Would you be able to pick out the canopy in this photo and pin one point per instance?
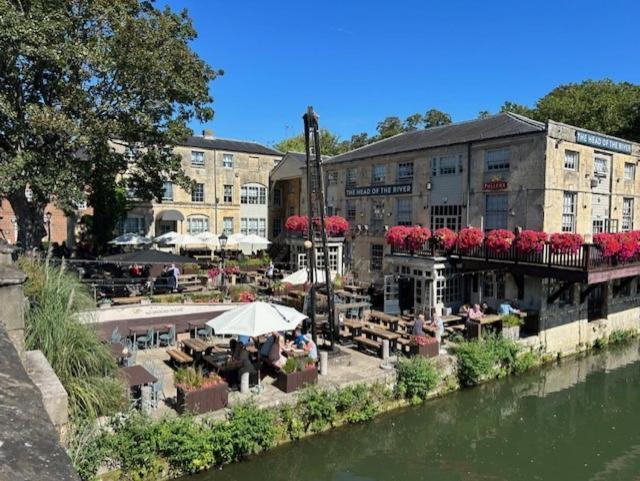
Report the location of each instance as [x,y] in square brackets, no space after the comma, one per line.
[301,276]
[253,243]
[150,256]
[130,239]
[209,238]
[164,238]
[256,319]
[234,239]
[170,215]
[185,240]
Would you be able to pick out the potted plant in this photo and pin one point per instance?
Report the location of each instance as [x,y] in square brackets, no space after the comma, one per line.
[396,236]
[198,393]
[425,346]
[511,326]
[531,241]
[416,238]
[608,243]
[499,241]
[565,243]
[629,245]
[470,238]
[296,374]
[445,238]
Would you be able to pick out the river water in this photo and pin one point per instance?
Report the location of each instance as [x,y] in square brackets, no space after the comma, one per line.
[579,420]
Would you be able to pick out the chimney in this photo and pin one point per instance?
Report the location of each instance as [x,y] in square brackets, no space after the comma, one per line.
[207,133]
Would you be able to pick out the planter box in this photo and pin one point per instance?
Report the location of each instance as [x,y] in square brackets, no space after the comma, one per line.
[512,332]
[431,349]
[203,400]
[296,380]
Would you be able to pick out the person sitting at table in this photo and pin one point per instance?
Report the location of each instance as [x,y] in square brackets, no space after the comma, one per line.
[506,308]
[265,349]
[298,338]
[475,313]
[245,340]
[276,352]
[464,310]
[437,324]
[310,348]
[418,326]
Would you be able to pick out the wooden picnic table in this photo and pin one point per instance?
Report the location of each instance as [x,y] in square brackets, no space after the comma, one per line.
[380,333]
[354,327]
[195,347]
[195,325]
[137,375]
[451,319]
[475,326]
[117,350]
[354,288]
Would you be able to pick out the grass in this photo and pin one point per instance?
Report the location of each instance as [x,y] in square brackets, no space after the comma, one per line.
[81,361]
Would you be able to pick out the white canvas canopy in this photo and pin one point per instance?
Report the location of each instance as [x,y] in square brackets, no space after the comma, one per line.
[235,239]
[252,243]
[165,238]
[256,319]
[209,238]
[130,239]
[185,240]
[301,276]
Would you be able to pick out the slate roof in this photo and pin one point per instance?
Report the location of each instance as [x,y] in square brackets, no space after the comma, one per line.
[228,144]
[495,126]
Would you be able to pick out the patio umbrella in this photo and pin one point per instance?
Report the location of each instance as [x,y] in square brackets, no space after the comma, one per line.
[165,238]
[130,239]
[209,238]
[252,243]
[300,277]
[235,239]
[185,240]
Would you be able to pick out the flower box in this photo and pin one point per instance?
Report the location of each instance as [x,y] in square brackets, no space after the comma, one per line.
[470,238]
[500,240]
[531,241]
[296,380]
[565,243]
[430,348]
[445,238]
[207,399]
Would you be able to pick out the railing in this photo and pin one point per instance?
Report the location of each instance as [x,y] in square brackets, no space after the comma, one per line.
[588,257]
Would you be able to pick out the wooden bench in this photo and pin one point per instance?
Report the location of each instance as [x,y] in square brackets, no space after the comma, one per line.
[189,283]
[366,343]
[178,357]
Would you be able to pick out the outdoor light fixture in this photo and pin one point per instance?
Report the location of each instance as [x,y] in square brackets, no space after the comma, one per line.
[223,240]
[223,243]
[307,244]
[428,185]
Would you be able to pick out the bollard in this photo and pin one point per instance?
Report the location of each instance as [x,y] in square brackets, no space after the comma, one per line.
[145,399]
[385,350]
[324,363]
[244,383]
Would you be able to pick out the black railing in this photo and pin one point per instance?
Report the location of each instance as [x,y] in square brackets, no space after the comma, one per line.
[587,257]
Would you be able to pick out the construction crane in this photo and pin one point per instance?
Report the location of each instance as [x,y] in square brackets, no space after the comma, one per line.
[316,210]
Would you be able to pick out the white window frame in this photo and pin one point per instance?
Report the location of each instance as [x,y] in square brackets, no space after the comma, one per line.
[352,179]
[404,211]
[167,192]
[227,224]
[497,160]
[227,161]
[600,166]
[378,174]
[404,171]
[253,194]
[496,218]
[227,194]
[629,171]
[197,158]
[377,254]
[571,159]
[569,211]
[627,214]
[197,195]
[197,224]
[350,210]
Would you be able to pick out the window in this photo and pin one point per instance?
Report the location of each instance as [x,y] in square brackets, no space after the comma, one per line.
[227,224]
[448,287]
[197,158]
[167,193]
[487,285]
[332,178]
[351,179]
[228,194]
[500,286]
[449,216]
[405,171]
[253,194]
[629,171]
[496,160]
[277,226]
[378,174]
[571,159]
[227,160]
[404,213]
[569,212]
[350,209]
[627,214]
[133,225]
[253,225]
[497,206]
[377,251]
[277,197]
[197,224]
[377,215]
[600,167]
[291,210]
[197,195]
[448,165]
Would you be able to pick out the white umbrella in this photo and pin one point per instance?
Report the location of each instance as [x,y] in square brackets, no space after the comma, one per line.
[130,239]
[185,240]
[165,238]
[256,318]
[234,239]
[300,277]
[253,243]
[209,238]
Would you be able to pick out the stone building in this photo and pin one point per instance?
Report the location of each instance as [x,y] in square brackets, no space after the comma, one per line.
[284,188]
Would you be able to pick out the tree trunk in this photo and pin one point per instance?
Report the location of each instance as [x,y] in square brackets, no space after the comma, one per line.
[30,220]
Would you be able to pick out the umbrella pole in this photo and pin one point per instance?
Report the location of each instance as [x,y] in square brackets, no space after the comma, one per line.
[259,362]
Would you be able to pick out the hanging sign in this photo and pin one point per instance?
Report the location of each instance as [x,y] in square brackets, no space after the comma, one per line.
[602,142]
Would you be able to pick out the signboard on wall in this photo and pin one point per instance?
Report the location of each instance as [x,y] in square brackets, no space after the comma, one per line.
[495,185]
[600,141]
[379,190]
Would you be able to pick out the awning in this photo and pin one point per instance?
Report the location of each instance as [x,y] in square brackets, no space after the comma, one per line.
[170,215]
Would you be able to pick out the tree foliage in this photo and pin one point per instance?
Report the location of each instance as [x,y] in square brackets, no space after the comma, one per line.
[436,118]
[330,144]
[75,77]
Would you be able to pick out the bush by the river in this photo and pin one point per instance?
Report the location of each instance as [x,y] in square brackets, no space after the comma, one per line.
[416,377]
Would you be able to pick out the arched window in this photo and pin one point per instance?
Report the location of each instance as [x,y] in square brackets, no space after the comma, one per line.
[253,194]
[197,224]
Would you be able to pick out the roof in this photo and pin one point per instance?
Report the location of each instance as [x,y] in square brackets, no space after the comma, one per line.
[290,166]
[217,143]
[495,126]
[150,256]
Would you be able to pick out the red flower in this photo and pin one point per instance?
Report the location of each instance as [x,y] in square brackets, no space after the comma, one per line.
[297,223]
[500,240]
[417,237]
[229,270]
[531,241]
[246,296]
[213,273]
[396,236]
[629,245]
[608,243]
[335,225]
[565,243]
[445,238]
[469,237]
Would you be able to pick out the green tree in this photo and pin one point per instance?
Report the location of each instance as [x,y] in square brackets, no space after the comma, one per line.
[109,202]
[436,118]
[520,109]
[330,144]
[81,81]
[389,127]
[483,114]
[413,122]
[360,140]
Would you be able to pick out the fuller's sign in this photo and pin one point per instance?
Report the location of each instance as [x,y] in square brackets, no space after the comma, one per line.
[495,185]
[602,142]
[378,190]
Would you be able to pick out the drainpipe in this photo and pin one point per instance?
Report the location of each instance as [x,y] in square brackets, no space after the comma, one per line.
[215,192]
[468,181]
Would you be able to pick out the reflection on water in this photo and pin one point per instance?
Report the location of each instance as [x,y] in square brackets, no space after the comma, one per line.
[576,421]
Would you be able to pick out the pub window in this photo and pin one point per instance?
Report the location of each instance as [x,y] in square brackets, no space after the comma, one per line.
[569,211]
[197,158]
[448,165]
[376,257]
[227,224]
[500,287]
[352,179]
[600,167]
[277,197]
[629,171]
[253,194]
[496,211]
[405,171]
[350,209]
[497,160]
[377,215]
[627,214]
[571,159]
[277,226]
[403,211]
[196,225]
[227,160]
[167,192]
[449,216]
[378,174]
[487,285]
[228,194]
[197,194]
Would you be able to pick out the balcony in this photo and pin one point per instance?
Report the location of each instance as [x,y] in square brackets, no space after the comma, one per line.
[587,265]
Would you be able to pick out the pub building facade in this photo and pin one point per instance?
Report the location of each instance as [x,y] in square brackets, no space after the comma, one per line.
[501,172]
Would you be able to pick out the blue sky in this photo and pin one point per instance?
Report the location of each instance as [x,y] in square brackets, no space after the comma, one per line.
[357,62]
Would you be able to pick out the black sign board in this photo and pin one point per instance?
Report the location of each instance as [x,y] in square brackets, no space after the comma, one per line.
[379,190]
[603,142]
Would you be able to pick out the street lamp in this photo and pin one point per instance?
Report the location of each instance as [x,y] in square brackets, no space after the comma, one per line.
[223,244]
[47,219]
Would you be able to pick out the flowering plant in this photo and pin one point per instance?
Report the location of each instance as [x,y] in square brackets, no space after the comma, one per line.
[246,296]
[500,240]
[297,223]
[229,270]
[629,245]
[417,237]
[565,243]
[469,237]
[190,379]
[608,243]
[396,236]
[336,225]
[531,241]
[213,273]
[445,238]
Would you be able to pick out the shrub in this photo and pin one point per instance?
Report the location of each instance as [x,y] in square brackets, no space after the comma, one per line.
[192,379]
[87,448]
[417,237]
[621,335]
[500,240]
[185,445]
[357,404]
[396,236]
[485,358]
[512,320]
[252,429]
[292,425]
[445,238]
[238,293]
[469,237]
[531,241]
[416,376]
[317,409]
[525,362]
[135,446]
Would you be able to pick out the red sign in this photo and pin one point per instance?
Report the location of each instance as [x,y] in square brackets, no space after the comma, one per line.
[495,185]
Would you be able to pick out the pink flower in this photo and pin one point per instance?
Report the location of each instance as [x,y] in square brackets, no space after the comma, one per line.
[608,243]
[445,238]
[417,237]
[469,237]
[531,241]
[565,243]
[500,240]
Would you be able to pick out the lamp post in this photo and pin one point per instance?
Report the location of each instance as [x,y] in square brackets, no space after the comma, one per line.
[47,219]
[223,244]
